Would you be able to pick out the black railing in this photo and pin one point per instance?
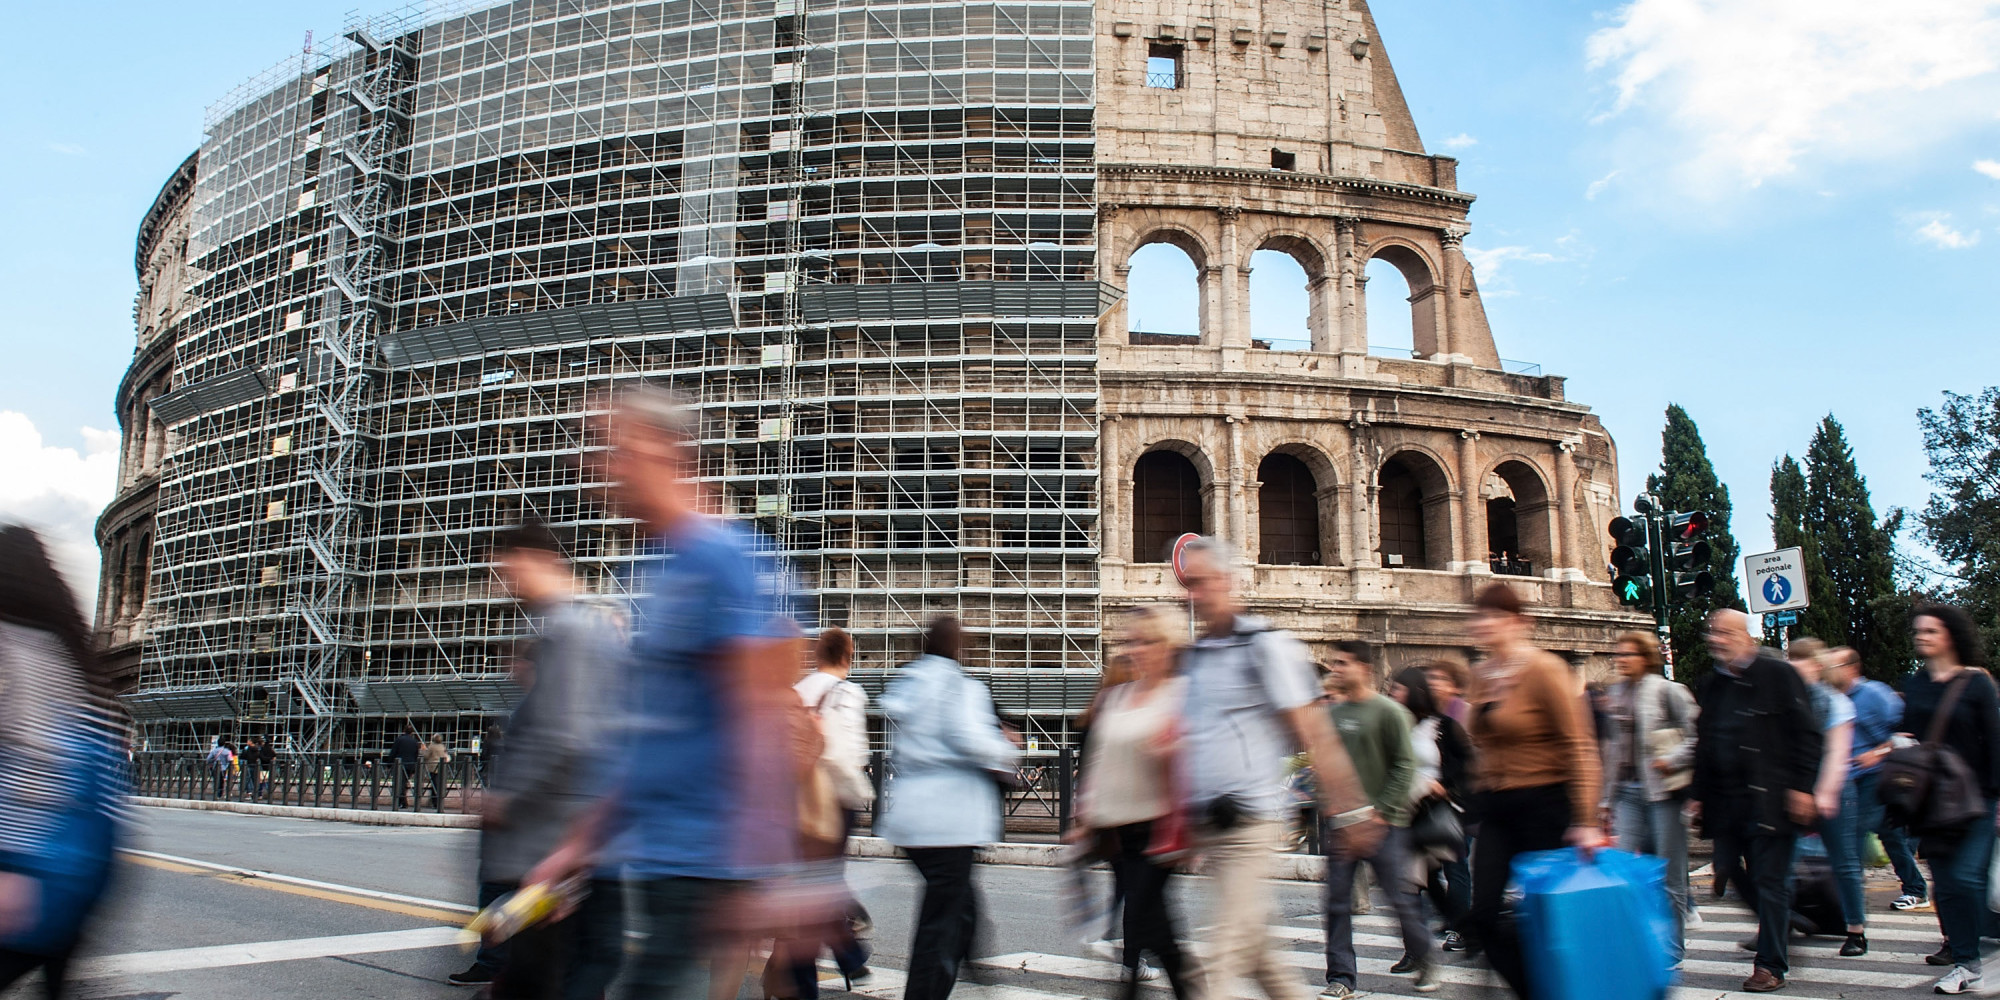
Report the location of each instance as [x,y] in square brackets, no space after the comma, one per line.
[345,781]
[1511,566]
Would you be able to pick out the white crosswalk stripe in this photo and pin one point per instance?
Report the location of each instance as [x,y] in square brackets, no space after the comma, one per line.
[1714,969]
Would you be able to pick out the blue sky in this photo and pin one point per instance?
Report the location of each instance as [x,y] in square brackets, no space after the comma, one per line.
[1766,210]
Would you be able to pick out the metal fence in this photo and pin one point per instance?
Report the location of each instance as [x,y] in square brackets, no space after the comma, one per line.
[1036,805]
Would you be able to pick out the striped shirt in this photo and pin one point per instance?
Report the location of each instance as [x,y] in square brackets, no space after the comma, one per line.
[43,701]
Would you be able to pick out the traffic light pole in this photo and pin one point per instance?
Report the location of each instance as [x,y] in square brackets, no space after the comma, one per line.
[1656,535]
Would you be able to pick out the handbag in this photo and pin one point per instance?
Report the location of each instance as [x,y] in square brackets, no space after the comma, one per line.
[1437,830]
[1928,787]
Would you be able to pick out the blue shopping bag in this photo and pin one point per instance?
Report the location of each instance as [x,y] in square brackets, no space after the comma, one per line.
[1602,929]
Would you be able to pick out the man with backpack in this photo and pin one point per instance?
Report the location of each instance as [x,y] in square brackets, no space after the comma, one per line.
[1757,757]
[1252,700]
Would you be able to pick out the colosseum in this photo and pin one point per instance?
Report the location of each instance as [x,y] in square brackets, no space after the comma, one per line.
[886,246]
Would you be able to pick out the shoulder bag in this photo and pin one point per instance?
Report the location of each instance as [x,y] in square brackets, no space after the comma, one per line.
[1929,787]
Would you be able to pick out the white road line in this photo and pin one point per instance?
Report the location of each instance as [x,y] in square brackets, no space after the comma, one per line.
[146,963]
[394,897]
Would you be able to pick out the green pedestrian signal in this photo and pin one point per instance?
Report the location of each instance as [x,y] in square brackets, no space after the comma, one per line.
[1631,562]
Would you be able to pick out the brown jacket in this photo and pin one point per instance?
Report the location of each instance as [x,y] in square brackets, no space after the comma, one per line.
[1538,733]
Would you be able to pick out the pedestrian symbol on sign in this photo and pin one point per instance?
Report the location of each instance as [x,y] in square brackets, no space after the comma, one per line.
[1777,589]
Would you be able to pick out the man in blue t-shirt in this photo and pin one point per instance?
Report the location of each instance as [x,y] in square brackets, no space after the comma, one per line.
[698,806]
[1878,710]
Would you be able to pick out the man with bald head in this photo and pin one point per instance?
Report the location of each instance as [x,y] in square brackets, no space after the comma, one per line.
[1757,756]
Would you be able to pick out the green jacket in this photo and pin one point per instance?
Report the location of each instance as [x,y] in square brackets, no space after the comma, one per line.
[1376,733]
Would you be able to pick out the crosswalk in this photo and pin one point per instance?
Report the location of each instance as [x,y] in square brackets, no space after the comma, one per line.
[1714,968]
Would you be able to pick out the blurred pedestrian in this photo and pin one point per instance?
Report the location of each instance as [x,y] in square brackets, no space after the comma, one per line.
[1833,802]
[1757,757]
[1648,757]
[1537,766]
[406,752]
[1878,710]
[840,708]
[1126,799]
[1450,678]
[434,756]
[247,773]
[701,812]
[1443,755]
[1252,700]
[266,760]
[221,761]
[1949,643]
[1375,730]
[1110,943]
[947,759]
[61,767]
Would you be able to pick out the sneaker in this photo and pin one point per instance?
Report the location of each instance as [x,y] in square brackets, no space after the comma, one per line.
[1147,973]
[1428,978]
[1856,944]
[1911,901]
[1763,981]
[1959,980]
[478,975]
[1693,918]
[1942,956]
[1340,991]
[1403,965]
[1107,948]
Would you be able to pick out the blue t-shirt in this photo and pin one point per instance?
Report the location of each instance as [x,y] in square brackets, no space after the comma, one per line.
[1877,711]
[680,812]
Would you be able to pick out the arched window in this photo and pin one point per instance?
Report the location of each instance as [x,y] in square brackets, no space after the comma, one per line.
[1414,517]
[1163,294]
[1520,531]
[1280,305]
[142,570]
[1402,303]
[1503,538]
[1166,504]
[1287,513]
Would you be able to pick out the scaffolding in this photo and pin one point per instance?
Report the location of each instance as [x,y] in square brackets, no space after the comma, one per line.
[859,234]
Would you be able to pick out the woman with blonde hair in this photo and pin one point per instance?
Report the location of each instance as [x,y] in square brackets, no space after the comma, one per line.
[1127,796]
[1648,754]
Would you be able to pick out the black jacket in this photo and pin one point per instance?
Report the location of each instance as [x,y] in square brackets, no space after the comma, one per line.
[1454,760]
[1780,745]
[407,750]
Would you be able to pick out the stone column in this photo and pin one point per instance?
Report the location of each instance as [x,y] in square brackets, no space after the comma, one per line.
[1452,259]
[1570,554]
[1360,517]
[1350,339]
[1327,501]
[1473,522]
[1112,512]
[1325,339]
[1238,517]
[1111,329]
[1235,303]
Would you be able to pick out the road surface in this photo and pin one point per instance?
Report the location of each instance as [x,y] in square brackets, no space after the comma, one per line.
[361,911]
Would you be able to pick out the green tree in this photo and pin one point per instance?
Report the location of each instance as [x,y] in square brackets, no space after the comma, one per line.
[1687,481]
[1790,498]
[1962,518]
[1853,567]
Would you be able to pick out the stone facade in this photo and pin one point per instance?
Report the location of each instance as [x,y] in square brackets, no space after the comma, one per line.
[125,529]
[1284,129]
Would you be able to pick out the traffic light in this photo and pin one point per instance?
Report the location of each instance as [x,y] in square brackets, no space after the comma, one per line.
[1687,555]
[1631,562]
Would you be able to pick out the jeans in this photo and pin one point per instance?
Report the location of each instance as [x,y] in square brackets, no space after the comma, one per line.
[1874,818]
[599,946]
[55,970]
[491,955]
[672,913]
[1511,822]
[1842,836]
[1655,828]
[1765,881]
[1149,924]
[946,920]
[1958,866]
[1238,860]
[1391,865]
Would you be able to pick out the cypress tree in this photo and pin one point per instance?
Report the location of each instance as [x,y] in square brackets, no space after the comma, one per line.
[1855,555]
[1686,481]
[1789,529]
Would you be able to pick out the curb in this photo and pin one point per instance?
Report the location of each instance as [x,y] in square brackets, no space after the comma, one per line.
[366,817]
[1284,867]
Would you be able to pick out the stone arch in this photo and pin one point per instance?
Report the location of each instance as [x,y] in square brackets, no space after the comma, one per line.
[1288,512]
[1413,510]
[1422,275]
[1518,504]
[1159,275]
[1325,481]
[1172,483]
[1267,295]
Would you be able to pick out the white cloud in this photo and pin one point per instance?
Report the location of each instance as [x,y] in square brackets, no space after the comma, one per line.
[66,148]
[1488,263]
[1941,234]
[1597,186]
[1990,168]
[1460,141]
[1734,93]
[59,493]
